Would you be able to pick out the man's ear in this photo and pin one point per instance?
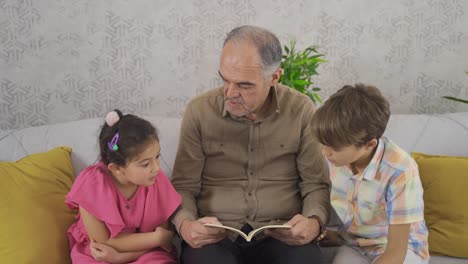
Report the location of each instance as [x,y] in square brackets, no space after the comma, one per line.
[276,76]
[115,169]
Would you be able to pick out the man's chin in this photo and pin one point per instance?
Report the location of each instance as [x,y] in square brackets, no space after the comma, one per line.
[236,113]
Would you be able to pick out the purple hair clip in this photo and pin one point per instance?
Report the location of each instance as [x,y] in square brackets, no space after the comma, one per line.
[112,145]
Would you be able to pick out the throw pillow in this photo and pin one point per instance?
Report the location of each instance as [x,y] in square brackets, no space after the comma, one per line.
[445,183]
[34,217]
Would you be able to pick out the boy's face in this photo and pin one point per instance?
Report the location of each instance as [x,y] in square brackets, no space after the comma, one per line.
[344,156]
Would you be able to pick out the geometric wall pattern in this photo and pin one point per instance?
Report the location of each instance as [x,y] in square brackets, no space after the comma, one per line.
[69,60]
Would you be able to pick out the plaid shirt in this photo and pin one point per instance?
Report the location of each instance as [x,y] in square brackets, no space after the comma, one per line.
[388,192]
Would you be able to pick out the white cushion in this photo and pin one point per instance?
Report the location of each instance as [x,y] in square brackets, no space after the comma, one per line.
[445,134]
[82,137]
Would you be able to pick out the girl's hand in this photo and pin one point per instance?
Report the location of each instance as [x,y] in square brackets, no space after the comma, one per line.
[164,236]
[102,252]
[105,253]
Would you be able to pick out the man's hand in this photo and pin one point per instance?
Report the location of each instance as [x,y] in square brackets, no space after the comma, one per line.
[197,235]
[303,231]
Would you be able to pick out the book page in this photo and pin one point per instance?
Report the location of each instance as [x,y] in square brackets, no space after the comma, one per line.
[252,233]
[260,229]
[230,228]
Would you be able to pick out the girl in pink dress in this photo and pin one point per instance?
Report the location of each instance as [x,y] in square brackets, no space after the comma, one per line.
[125,200]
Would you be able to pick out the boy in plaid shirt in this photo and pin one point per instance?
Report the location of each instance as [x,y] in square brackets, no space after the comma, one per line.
[376,189]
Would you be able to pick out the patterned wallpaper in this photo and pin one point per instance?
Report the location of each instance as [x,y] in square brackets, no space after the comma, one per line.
[63,60]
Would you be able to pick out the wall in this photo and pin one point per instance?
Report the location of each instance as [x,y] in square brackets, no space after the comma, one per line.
[68,60]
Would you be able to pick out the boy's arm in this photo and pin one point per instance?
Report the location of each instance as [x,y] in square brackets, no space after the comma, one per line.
[397,245]
[98,232]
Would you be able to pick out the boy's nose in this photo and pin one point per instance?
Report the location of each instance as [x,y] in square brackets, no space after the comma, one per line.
[326,152]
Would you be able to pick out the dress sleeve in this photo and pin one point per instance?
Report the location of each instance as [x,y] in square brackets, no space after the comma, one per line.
[161,203]
[167,195]
[92,191]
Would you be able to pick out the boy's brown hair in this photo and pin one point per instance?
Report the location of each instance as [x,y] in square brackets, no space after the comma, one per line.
[352,116]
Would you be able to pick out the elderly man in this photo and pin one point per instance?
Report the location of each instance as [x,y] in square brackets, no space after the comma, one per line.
[246,159]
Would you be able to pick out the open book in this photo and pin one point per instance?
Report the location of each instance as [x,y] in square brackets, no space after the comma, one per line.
[252,233]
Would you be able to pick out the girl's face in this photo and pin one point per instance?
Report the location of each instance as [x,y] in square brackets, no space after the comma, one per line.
[142,170]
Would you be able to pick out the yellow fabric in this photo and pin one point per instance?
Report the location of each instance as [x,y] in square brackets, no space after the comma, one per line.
[445,183]
[34,217]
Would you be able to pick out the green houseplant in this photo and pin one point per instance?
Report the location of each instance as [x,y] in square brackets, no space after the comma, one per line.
[298,69]
[456,99]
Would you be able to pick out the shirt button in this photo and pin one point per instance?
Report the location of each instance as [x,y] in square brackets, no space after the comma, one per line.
[251,173]
[251,149]
[250,194]
[127,206]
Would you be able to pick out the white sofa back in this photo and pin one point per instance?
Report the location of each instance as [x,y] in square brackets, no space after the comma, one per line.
[82,137]
[445,134]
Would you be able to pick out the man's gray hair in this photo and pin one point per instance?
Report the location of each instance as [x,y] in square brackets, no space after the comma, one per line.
[268,45]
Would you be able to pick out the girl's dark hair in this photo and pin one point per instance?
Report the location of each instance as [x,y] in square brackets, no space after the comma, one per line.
[134,133]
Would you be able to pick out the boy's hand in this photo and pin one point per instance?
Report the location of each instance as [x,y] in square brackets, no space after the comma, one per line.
[332,239]
[165,237]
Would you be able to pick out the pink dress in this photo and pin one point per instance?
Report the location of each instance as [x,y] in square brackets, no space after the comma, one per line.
[150,206]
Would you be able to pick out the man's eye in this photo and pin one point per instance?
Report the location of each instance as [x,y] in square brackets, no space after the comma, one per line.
[146,165]
[158,156]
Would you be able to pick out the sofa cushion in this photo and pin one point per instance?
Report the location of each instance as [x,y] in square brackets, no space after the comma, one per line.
[34,217]
[445,183]
[82,137]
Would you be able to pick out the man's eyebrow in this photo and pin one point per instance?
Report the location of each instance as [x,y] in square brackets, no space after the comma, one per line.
[220,75]
[239,83]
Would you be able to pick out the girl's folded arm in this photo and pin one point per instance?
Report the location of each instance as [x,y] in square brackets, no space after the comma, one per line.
[123,242]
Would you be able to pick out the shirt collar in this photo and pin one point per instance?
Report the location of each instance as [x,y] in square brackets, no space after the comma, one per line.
[371,170]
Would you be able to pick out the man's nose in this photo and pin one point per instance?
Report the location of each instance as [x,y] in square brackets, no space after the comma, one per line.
[231,90]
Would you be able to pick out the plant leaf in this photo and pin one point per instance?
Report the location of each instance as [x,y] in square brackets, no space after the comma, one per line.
[456,99]
[301,82]
[299,67]
[317,97]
